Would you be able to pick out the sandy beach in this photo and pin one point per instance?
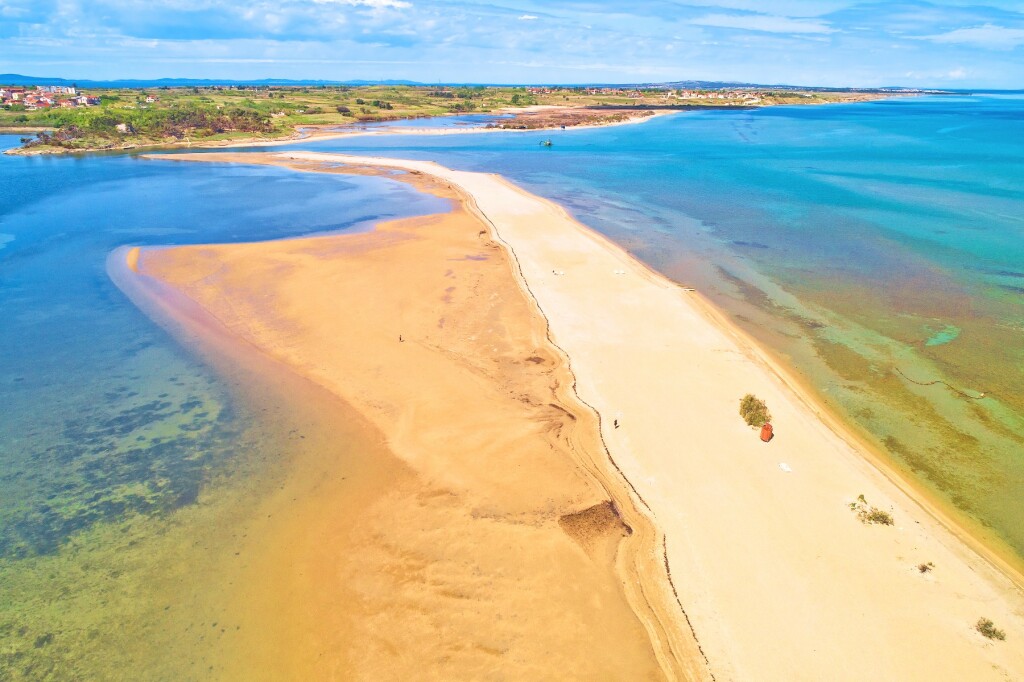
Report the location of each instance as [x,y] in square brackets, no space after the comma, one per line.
[581,498]
[489,548]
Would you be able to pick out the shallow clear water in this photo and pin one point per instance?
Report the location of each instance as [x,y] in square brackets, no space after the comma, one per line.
[77,356]
[109,428]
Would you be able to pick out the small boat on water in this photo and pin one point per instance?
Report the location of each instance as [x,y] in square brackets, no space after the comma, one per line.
[545,143]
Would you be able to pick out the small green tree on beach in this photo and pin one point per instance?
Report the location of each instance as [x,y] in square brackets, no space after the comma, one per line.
[754,411]
[868,514]
[988,629]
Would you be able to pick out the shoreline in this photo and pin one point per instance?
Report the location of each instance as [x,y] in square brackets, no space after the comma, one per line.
[1000,557]
[974,551]
[329,462]
[805,415]
[297,135]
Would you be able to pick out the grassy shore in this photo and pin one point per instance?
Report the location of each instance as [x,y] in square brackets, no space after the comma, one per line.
[133,118]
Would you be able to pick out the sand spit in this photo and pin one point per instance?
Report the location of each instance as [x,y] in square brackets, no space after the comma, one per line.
[494,551]
[258,602]
[776,574]
[324,133]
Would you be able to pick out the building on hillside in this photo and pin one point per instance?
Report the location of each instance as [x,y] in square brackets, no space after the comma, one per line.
[57,89]
[9,95]
[45,96]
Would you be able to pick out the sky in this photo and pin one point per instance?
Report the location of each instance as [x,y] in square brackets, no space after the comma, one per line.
[950,44]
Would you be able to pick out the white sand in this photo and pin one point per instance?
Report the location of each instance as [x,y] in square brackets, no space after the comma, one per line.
[776,574]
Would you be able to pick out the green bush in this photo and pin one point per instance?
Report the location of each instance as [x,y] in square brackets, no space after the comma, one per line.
[868,514]
[754,411]
[875,515]
[989,629]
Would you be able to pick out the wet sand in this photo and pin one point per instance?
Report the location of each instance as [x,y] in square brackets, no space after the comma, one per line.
[478,539]
[773,570]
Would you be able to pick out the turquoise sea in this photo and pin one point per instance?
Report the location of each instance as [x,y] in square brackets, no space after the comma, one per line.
[875,247]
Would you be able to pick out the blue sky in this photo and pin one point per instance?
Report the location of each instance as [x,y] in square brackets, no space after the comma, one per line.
[819,42]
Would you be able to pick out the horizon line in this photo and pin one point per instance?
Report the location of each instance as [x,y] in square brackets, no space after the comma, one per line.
[410,82]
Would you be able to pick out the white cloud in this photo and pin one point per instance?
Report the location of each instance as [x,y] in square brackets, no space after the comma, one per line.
[528,17]
[987,35]
[12,12]
[959,73]
[800,8]
[763,22]
[373,4]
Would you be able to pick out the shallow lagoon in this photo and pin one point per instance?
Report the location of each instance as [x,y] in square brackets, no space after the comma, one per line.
[125,462]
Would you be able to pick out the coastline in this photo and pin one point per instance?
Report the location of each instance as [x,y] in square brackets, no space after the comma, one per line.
[327,463]
[947,518]
[321,134]
[564,538]
[643,112]
[992,551]
[721,621]
[973,551]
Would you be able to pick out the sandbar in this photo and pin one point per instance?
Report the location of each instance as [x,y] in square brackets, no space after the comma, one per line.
[498,548]
[767,566]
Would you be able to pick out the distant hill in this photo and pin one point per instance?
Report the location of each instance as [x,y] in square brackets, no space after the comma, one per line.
[703,85]
[18,79]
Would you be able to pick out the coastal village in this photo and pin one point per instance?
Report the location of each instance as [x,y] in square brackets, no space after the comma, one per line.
[744,96]
[46,97]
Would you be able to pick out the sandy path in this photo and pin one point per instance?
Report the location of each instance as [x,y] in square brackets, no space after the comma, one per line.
[779,578]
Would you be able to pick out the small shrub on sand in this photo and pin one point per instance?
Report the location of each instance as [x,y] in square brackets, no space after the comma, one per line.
[925,568]
[754,411]
[989,629]
[875,515]
[868,514]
